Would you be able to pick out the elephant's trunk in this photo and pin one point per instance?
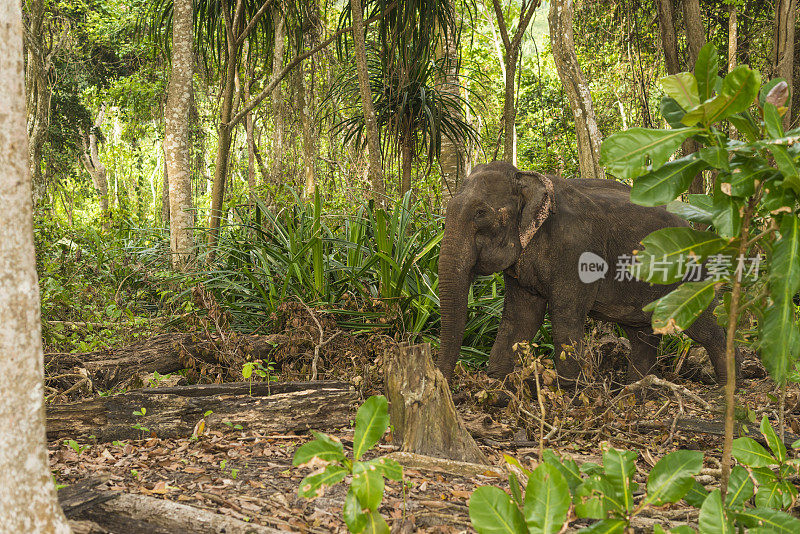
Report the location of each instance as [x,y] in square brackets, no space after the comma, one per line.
[456,262]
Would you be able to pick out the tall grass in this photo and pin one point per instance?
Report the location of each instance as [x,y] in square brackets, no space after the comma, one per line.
[373,268]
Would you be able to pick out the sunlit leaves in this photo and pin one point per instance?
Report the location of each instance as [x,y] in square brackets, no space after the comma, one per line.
[677,310]
[633,152]
[739,89]
[667,182]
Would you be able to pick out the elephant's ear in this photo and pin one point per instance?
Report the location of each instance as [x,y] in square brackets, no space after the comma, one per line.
[538,202]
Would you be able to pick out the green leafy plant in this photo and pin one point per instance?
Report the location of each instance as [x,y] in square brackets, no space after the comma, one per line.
[365,494]
[752,207]
[759,490]
[259,368]
[75,446]
[141,412]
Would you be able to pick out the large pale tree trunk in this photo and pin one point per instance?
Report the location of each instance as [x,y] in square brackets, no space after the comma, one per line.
[576,88]
[783,48]
[176,138]
[453,152]
[371,124]
[27,495]
[93,165]
[305,101]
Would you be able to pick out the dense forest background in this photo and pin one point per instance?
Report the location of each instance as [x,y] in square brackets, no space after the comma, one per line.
[286,195]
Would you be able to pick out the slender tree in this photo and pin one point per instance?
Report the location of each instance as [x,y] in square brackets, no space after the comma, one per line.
[783,48]
[669,39]
[511,45]
[27,495]
[375,168]
[91,162]
[176,138]
[576,88]
[453,152]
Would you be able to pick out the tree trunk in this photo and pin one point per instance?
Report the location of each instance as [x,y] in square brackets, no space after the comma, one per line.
[783,48]
[176,139]
[375,168]
[453,151]
[277,99]
[669,39]
[576,88]
[407,158]
[733,31]
[93,165]
[305,99]
[695,34]
[165,194]
[224,131]
[509,107]
[695,38]
[421,409]
[27,496]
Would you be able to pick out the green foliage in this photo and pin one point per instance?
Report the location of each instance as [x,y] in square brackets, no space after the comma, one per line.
[748,189]
[759,492]
[365,494]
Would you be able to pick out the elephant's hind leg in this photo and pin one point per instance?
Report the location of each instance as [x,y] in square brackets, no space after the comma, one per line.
[711,336]
[644,351]
[523,313]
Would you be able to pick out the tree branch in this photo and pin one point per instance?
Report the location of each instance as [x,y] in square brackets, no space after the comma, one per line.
[250,25]
[501,22]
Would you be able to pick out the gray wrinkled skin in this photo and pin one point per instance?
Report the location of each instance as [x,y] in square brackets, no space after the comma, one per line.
[484,221]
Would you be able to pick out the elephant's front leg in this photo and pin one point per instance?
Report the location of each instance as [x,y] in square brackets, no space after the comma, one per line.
[568,329]
[523,313]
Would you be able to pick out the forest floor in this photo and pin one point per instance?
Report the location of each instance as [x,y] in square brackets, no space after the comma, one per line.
[249,476]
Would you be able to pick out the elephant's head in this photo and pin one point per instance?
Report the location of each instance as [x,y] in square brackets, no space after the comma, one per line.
[488,224]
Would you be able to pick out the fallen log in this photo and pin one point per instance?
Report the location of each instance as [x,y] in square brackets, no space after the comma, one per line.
[174,412]
[714,427]
[164,353]
[124,513]
[421,408]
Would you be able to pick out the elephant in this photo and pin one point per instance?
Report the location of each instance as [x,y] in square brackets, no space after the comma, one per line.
[534,228]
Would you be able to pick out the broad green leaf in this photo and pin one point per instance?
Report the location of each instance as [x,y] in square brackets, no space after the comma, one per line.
[683,88]
[591,468]
[492,511]
[352,513]
[737,94]
[547,500]
[567,466]
[619,467]
[672,477]
[368,487]
[672,112]
[312,485]
[715,156]
[780,345]
[682,529]
[744,173]
[774,520]
[372,419]
[689,212]
[740,487]
[667,182]
[745,124]
[750,453]
[376,524]
[606,526]
[388,467]
[787,167]
[595,497]
[705,70]
[668,251]
[726,217]
[713,518]
[323,448]
[775,444]
[773,121]
[677,310]
[628,154]
[696,495]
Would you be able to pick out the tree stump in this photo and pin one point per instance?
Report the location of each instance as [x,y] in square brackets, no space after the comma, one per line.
[421,408]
